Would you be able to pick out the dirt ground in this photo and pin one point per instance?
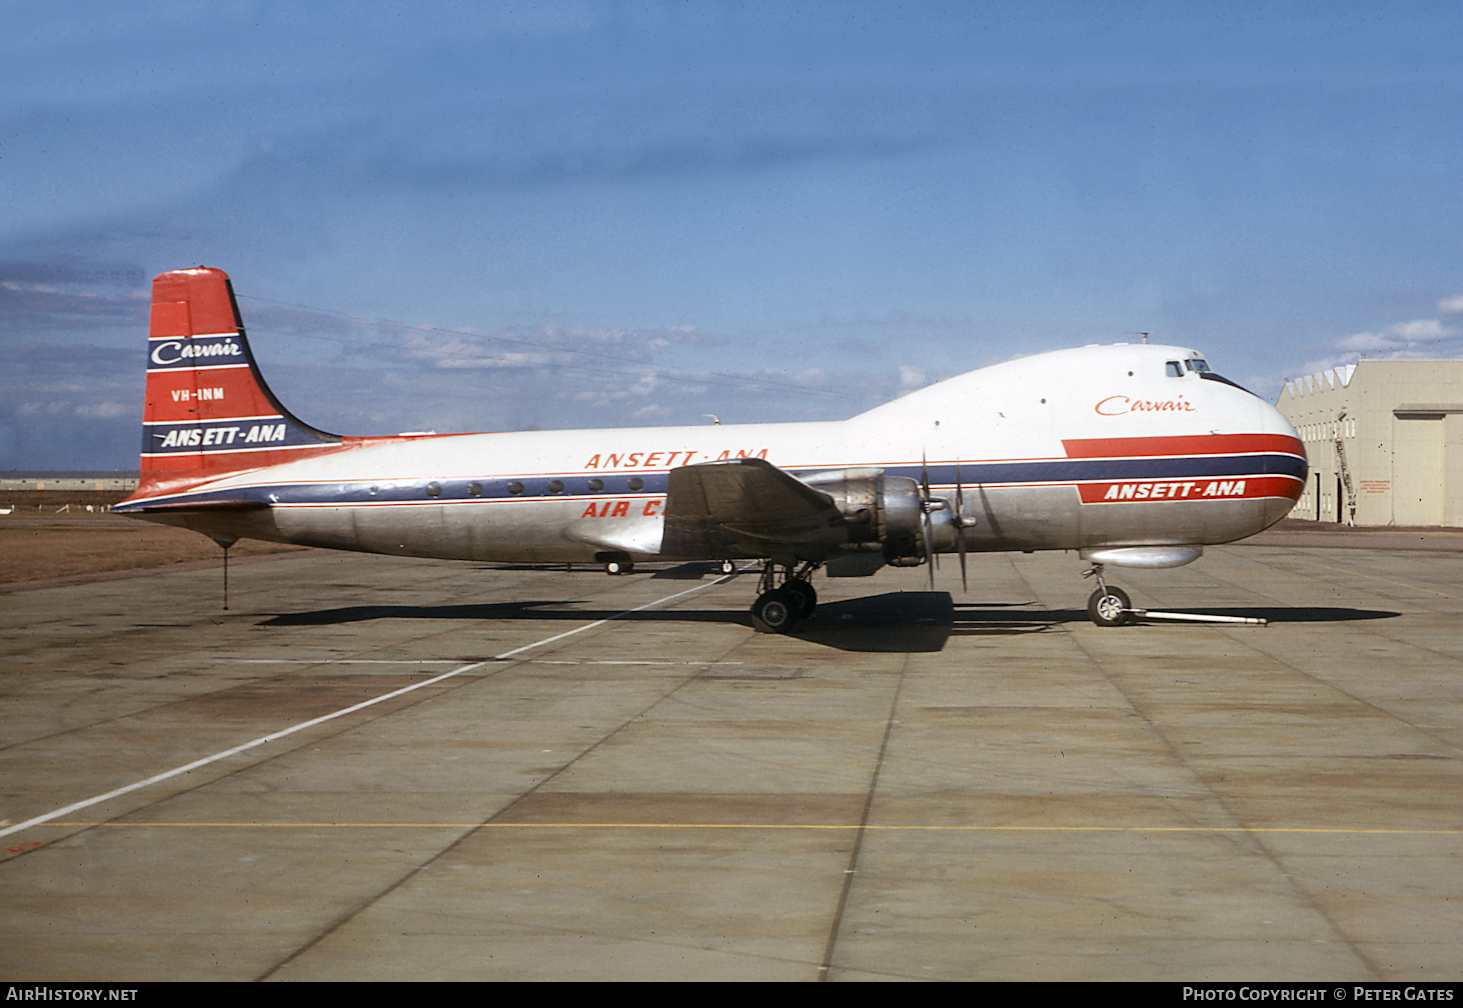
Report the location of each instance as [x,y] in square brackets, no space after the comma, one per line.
[40,542]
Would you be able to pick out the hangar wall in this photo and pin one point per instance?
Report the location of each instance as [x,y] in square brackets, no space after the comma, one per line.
[1384,439]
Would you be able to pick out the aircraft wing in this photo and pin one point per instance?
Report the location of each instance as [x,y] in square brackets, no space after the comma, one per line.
[747,507]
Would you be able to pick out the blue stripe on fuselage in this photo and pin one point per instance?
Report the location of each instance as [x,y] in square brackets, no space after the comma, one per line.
[987,474]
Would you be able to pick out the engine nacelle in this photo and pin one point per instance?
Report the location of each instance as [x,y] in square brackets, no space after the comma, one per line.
[884,514]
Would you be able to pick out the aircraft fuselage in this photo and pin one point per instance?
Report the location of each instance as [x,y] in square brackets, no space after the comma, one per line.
[1102,446]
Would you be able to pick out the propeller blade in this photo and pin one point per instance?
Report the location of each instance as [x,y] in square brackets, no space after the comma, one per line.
[929,526]
[960,528]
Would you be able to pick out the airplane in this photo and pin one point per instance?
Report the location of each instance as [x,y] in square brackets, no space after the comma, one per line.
[1133,455]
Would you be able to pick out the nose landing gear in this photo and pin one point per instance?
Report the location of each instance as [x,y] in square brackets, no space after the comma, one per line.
[1108,606]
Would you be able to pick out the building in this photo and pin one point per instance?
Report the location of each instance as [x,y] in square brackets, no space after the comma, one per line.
[13,480]
[1384,439]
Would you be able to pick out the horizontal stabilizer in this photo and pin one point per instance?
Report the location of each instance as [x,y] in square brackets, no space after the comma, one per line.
[212,505]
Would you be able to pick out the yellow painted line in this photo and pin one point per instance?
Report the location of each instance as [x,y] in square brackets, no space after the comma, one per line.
[786,826]
[1402,584]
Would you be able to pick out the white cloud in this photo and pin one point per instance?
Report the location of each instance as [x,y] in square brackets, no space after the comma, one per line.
[1419,330]
[1365,342]
[1418,339]
[911,377]
[107,410]
[1401,339]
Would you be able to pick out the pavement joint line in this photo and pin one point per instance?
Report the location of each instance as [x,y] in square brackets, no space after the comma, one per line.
[784,826]
[273,736]
[1373,577]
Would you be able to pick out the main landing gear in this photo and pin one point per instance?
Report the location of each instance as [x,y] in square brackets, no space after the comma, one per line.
[786,597]
[1108,606]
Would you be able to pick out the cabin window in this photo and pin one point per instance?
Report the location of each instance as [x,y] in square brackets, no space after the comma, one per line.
[1175,369]
[474,489]
[515,488]
[636,483]
[596,485]
[556,487]
[434,489]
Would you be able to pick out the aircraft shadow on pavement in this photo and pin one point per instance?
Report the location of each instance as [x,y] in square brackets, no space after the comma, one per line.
[896,621]
[892,622]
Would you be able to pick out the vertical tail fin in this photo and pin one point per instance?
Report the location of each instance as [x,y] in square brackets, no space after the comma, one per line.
[208,411]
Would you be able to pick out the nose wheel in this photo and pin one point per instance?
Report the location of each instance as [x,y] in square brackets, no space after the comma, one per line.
[1108,606]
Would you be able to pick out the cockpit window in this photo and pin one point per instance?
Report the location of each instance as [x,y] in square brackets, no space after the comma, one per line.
[1200,367]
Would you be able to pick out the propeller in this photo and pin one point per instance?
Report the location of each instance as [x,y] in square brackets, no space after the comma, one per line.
[928,505]
[960,528]
[931,504]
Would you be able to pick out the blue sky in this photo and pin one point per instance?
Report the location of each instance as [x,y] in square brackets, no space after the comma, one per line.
[618,213]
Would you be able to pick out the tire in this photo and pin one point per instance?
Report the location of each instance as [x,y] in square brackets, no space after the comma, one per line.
[806,596]
[1109,607]
[776,611]
[619,567]
[727,566]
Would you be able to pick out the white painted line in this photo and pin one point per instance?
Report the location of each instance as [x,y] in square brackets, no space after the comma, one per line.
[643,661]
[205,761]
[340,661]
[449,661]
[591,626]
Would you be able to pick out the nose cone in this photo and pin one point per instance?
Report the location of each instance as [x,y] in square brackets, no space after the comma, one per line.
[1284,463]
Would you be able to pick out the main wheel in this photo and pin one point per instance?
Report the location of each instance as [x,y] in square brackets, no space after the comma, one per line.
[1109,607]
[806,596]
[727,567]
[618,566]
[775,611]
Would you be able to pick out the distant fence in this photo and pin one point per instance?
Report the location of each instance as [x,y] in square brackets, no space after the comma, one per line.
[28,502]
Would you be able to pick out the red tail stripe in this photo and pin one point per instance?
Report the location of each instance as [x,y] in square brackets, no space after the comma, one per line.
[186,395]
[185,302]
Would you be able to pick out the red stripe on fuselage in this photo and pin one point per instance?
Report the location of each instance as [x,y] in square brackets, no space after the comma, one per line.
[1203,489]
[1184,444]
